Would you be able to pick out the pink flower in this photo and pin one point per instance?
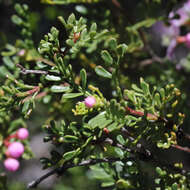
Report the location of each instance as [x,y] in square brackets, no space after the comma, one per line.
[15,149]
[21,52]
[90,101]
[11,164]
[22,133]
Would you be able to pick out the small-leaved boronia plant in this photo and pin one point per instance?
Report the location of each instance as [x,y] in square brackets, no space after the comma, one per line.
[96,116]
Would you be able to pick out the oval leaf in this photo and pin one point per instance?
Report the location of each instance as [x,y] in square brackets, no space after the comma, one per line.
[71,95]
[52,78]
[83,78]
[102,72]
[69,155]
[58,89]
[106,57]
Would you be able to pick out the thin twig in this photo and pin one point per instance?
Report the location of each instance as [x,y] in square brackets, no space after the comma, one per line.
[34,184]
[148,48]
[144,155]
[26,71]
[185,149]
[117,4]
[187,136]
[46,61]
[65,167]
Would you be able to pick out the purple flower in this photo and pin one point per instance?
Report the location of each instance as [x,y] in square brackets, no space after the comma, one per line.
[170,35]
[183,12]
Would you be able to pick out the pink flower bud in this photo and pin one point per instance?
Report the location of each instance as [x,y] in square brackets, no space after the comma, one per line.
[21,52]
[11,164]
[15,149]
[187,37]
[22,133]
[90,101]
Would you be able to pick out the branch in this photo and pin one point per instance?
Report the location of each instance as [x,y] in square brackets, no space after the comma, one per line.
[185,149]
[148,48]
[143,154]
[154,57]
[26,71]
[141,114]
[67,166]
[46,61]
[117,4]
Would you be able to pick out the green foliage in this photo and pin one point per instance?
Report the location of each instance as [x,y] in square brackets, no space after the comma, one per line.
[62,2]
[121,136]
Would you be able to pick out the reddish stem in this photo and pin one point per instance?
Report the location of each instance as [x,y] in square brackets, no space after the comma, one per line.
[40,95]
[6,141]
[181,39]
[185,149]
[140,113]
[35,89]
[76,37]
[106,130]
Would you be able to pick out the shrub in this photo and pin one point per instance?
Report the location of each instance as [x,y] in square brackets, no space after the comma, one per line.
[110,83]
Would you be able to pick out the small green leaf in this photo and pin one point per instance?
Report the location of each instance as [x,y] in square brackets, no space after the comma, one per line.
[81,9]
[131,95]
[52,78]
[113,126]
[145,23]
[16,20]
[71,19]
[100,121]
[136,88]
[175,186]
[107,184]
[157,99]
[71,95]
[100,173]
[9,63]
[70,138]
[47,99]
[93,27]
[19,9]
[120,139]
[112,43]
[160,172]
[122,49]
[25,107]
[157,181]
[87,142]
[102,72]
[119,152]
[144,86]
[58,89]
[106,57]
[162,93]
[62,20]
[15,124]
[83,33]
[70,42]
[69,155]
[83,78]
